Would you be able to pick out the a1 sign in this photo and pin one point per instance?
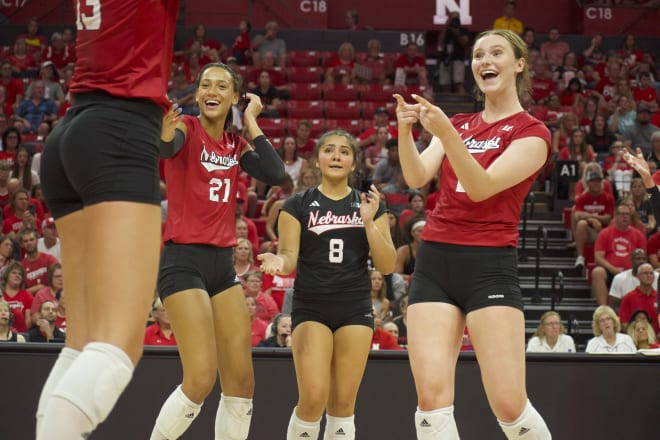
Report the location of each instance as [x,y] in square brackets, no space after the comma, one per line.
[568,170]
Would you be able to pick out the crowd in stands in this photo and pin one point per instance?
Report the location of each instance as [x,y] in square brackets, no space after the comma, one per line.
[598,104]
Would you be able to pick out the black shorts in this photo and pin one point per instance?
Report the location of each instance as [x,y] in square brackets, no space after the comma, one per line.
[195,266]
[104,149]
[469,277]
[333,314]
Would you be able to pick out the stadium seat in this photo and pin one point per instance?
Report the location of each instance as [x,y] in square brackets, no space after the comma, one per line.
[340,92]
[304,109]
[305,91]
[353,126]
[304,74]
[304,58]
[272,127]
[260,223]
[376,92]
[342,109]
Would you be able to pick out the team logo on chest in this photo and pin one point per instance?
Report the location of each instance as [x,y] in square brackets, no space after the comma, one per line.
[476,146]
[319,224]
[213,162]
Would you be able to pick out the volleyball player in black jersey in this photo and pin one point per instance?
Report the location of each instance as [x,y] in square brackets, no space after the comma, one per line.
[328,232]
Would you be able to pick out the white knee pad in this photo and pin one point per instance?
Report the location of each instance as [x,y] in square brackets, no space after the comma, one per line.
[232,421]
[529,426]
[300,429]
[95,380]
[176,415]
[339,428]
[61,366]
[438,424]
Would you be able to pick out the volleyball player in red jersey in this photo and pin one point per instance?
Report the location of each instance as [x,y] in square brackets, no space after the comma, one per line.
[100,178]
[466,267]
[197,281]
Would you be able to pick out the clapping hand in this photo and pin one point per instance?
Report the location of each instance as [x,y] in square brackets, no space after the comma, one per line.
[369,204]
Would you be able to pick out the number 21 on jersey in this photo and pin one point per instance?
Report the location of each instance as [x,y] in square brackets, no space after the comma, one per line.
[88,15]
[218,187]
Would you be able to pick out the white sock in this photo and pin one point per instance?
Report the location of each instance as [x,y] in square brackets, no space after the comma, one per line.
[339,428]
[175,416]
[232,421]
[438,424]
[86,393]
[62,364]
[300,429]
[529,426]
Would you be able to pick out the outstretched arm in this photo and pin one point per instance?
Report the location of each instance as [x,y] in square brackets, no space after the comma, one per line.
[288,247]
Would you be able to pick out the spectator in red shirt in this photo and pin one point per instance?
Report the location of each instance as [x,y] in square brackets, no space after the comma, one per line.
[542,82]
[381,118]
[58,52]
[383,339]
[643,297]
[411,67]
[241,47]
[11,139]
[49,292]
[266,306]
[277,79]
[645,92]
[19,299]
[613,250]
[258,326]
[24,65]
[22,217]
[14,89]
[34,40]
[160,332]
[36,263]
[592,212]
[339,69]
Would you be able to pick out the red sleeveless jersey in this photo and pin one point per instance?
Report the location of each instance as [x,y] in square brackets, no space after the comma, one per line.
[202,183]
[493,222]
[124,47]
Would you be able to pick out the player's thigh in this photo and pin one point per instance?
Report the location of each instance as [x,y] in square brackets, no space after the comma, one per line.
[312,347]
[435,333]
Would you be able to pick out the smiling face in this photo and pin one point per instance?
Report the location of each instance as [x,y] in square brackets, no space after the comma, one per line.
[494,65]
[216,93]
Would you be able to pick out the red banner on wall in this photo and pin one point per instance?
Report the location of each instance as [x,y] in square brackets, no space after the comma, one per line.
[417,15]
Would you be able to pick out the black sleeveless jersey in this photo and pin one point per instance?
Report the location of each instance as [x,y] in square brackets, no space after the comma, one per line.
[332,261]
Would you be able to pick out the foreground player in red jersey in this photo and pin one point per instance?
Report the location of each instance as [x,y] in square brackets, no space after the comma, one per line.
[466,267]
[100,179]
[197,281]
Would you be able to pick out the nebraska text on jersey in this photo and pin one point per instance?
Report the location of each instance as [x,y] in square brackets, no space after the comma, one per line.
[327,222]
[475,146]
[213,162]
